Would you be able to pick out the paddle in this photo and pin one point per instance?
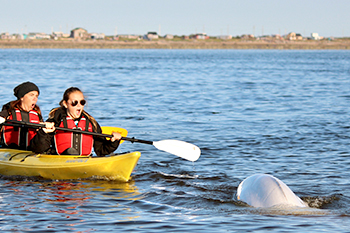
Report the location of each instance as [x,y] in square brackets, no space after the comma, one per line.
[181,149]
[109,130]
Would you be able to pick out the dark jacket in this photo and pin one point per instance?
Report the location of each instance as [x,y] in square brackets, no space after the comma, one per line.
[5,113]
[5,110]
[44,143]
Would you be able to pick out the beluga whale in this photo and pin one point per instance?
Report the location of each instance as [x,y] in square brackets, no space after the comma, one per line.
[263,190]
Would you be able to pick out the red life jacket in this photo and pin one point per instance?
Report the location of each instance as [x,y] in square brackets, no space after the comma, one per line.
[81,142]
[19,136]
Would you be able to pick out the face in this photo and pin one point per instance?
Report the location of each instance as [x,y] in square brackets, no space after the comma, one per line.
[77,110]
[28,101]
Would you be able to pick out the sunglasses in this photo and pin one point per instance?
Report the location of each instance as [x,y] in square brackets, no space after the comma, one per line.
[75,102]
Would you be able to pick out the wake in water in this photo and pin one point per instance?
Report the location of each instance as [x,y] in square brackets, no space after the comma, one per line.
[190,191]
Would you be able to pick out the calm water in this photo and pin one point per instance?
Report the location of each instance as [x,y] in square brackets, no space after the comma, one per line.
[285,113]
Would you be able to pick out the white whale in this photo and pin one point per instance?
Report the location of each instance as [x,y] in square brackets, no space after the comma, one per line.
[262,190]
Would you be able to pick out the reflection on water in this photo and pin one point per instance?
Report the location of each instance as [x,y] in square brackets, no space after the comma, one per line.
[59,201]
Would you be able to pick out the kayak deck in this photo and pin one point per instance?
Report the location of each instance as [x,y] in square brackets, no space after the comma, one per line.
[56,167]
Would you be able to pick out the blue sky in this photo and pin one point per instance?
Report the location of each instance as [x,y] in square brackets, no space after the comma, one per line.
[178,17]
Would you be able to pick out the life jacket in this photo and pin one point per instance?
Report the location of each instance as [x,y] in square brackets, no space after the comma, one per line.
[20,136]
[82,143]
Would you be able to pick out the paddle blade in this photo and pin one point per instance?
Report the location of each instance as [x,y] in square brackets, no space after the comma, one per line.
[109,130]
[182,149]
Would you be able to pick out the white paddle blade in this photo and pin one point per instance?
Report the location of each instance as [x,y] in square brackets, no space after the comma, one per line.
[182,149]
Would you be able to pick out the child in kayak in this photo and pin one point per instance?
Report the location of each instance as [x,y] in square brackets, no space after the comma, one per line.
[23,109]
[71,114]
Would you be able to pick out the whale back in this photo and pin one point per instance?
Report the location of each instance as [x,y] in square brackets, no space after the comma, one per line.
[262,190]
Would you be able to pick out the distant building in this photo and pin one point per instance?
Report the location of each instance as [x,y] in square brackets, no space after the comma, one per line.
[6,36]
[315,36]
[79,33]
[200,36]
[57,35]
[224,37]
[168,36]
[129,36]
[291,36]
[31,36]
[277,37]
[151,36]
[250,36]
[298,37]
[38,36]
[19,36]
[97,36]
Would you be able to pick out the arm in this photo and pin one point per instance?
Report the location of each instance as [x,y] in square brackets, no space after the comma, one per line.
[5,110]
[4,114]
[41,142]
[102,146]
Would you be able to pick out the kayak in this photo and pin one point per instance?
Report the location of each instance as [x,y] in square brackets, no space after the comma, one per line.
[55,167]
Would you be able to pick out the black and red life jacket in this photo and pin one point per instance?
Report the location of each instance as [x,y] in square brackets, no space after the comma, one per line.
[20,136]
[82,143]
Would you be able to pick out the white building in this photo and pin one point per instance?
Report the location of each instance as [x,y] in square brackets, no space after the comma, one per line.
[315,36]
[129,36]
[169,36]
[151,36]
[60,34]
[224,37]
[97,36]
[201,36]
[38,36]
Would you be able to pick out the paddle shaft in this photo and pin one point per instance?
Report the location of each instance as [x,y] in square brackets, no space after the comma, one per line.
[38,126]
[181,149]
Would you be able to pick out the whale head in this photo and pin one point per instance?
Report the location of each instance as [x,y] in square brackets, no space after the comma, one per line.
[262,190]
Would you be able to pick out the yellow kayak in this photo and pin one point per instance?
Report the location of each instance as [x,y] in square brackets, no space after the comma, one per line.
[56,167]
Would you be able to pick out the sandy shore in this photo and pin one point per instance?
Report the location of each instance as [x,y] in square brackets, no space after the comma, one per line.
[165,44]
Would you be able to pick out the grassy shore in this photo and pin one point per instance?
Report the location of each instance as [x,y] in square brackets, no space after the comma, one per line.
[174,44]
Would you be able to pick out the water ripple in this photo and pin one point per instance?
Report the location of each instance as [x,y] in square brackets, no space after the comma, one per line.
[283,113]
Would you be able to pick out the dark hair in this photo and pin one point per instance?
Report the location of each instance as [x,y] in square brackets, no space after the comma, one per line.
[65,98]
[67,93]
[16,104]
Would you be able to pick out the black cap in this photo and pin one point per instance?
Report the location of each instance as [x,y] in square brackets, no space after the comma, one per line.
[24,88]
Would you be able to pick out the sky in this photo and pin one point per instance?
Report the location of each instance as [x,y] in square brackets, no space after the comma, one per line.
[328,18]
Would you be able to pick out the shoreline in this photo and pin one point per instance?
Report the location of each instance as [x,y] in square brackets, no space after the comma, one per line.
[169,44]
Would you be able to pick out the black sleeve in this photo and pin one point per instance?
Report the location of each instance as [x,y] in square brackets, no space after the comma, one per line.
[102,146]
[41,142]
[4,111]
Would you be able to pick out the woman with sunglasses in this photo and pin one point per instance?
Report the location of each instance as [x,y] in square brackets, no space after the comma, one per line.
[71,115]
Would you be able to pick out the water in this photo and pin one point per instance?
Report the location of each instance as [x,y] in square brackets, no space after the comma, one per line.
[284,113]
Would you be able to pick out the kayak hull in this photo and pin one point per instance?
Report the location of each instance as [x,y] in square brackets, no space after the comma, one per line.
[56,167]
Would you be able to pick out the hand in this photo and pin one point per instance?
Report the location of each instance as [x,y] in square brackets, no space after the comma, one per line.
[116,136]
[49,127]
[2,120]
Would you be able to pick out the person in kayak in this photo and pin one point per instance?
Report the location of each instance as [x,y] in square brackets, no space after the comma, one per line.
[71,114]
[23,109]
